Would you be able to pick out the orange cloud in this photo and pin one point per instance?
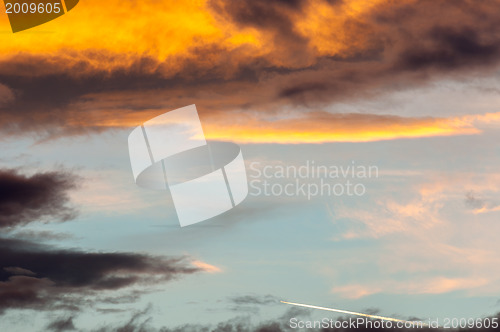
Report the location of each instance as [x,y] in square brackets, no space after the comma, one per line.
[262,56]
[206,267]
[331,29]
[113,34]
[315,127]
[434,285]
[322,127]
[133,27]
[106,35]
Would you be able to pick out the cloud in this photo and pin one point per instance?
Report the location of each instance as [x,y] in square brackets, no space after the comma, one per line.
[138,322]
[275,23]
[62,324]
[321,127]
[425,207]
[472,201]
[6,95]
[254,299]
[107,191]
[436,285]
[453,246]
[38,197]
[450,47]
[230,56]
[252,303]
[34,276]
[206,267]
[141,321]
[481,205]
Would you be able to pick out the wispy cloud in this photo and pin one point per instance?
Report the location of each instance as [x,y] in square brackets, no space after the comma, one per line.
[451,248]
[434,285]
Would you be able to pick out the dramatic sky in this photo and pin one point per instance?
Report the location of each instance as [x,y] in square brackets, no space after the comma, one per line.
[411,87]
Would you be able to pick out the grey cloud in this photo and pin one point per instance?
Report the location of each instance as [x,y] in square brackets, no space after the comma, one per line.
[37,197]
[254,299]
[62,324]
[34,276]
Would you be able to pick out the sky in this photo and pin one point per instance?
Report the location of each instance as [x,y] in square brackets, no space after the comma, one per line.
[408,88]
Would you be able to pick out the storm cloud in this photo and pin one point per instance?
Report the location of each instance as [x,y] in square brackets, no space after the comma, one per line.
[34,276]
[287,54]
[37,197]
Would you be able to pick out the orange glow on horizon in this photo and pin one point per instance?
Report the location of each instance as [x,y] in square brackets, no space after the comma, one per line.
[315,128]
[293,136]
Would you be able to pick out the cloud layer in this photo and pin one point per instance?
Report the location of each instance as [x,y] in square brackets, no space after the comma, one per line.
[247,56]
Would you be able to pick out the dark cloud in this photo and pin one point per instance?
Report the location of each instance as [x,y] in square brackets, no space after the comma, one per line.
[6,95]
[53,102]
[39,197]
[273,15]
[301,89]
[423,39]
[141,321]
[62,324]
[451,48]
[254,300]
[392,45]
[40,277]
